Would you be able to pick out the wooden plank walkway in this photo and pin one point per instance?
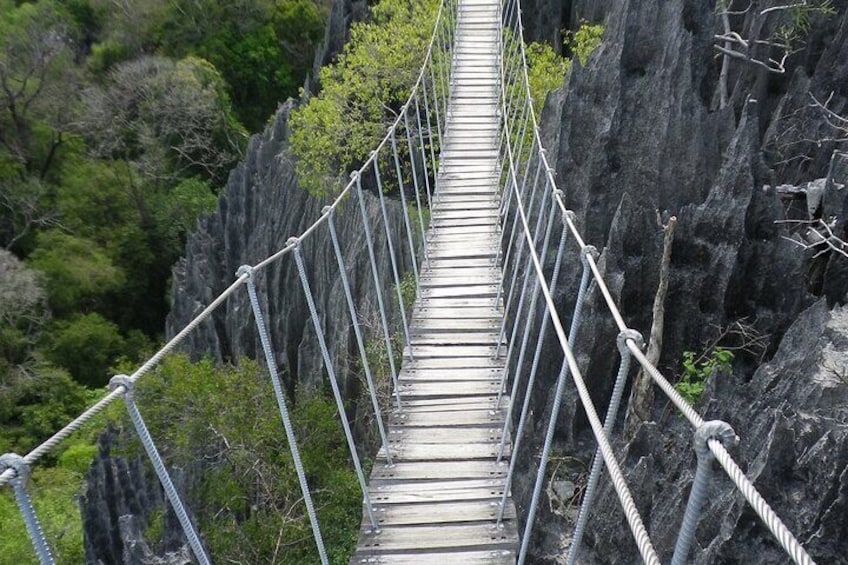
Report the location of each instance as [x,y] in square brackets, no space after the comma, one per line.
[437,503]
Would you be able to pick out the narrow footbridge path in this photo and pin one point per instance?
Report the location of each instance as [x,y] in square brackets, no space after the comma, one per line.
[437,500]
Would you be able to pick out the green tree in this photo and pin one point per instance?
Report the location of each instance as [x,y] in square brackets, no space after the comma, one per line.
[360,93]
[264,48]
[79,273]
[36,76]
[171,119]
[35,403]
[23,311]
[87,345]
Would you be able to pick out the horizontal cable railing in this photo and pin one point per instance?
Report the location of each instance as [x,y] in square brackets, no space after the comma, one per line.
[710,438]
[406,162]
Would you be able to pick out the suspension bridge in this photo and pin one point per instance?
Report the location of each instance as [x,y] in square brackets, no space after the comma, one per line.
[466,145]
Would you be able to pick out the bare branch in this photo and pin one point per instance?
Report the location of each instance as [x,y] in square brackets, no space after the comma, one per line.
[821,235]
[771,65]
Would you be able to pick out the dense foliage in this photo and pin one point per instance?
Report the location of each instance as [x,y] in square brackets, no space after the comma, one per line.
[246,496]
[118,125]
[361,92]
[243,488]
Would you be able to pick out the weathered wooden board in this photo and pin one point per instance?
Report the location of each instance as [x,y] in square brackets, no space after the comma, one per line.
[437,351]
[435,470]
[489,402]
[450,388]
[443,536]
[452,374]
[458,557]
[445,434]
[443,452]
[448,418]
[438,513]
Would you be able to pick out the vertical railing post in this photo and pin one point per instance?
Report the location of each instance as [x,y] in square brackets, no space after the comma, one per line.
[528,325]
[406,221]
[560,390]
[714,429]
[21,469]
[392,257]
[525,408]
[433,162]
[424,151]
[331,373]
[609,421]
[417,187]
[357,331]
[128,384]
[262,329]
[375,275]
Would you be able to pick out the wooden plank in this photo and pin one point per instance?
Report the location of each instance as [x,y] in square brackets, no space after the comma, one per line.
[442,536]
[435,375]
[443,452]
[457,302]
[433,470]
[458,557]
[453,389]
[449,418]
[475,325]
[479,331]
[409,405]
[454,291]
[445,435]
[486,362]
[439,315]
[453,338]
[439,513]
[436,351]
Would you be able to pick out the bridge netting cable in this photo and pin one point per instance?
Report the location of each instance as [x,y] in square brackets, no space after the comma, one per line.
[711,439]
[406,161]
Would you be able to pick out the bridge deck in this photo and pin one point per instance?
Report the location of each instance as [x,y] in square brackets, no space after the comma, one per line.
[437,503]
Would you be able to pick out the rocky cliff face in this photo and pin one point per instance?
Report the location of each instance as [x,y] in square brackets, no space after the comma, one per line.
[642,129]
[261,208]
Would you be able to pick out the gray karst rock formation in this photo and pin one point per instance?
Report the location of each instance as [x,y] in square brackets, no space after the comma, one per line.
[639,129]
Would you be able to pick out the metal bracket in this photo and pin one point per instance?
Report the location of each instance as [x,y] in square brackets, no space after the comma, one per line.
[122,381]
[245,270]
[713,429]
[586,252]
[17,464]
[632,335]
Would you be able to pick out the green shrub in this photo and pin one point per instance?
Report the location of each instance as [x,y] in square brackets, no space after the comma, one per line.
[55,492]
[33,406]
[247,497]
[696,371]
[582,42]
